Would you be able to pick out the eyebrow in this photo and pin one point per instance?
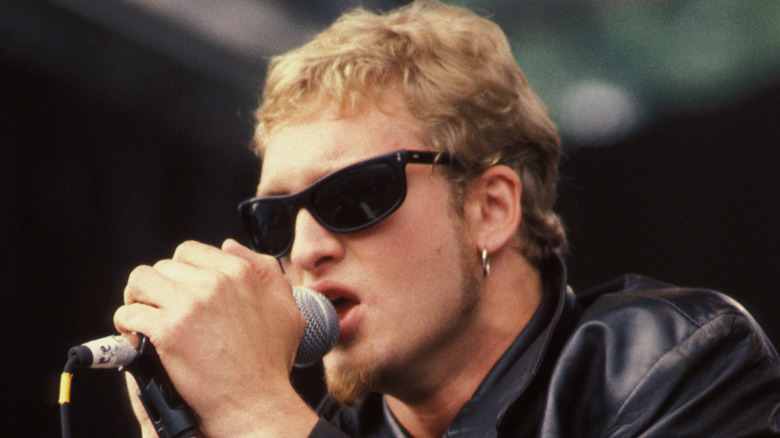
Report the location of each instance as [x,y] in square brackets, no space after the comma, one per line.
[323,172]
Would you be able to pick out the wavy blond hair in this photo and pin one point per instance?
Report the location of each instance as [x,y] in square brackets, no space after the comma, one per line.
[457,76]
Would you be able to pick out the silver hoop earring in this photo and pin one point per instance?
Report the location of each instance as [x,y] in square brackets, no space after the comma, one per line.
[485,263]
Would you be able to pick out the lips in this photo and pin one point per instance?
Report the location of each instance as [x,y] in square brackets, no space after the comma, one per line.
[346,304]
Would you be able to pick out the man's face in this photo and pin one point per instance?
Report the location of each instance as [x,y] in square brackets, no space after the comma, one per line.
[403,288]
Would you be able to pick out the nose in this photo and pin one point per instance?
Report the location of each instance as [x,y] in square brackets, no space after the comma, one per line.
[314,246]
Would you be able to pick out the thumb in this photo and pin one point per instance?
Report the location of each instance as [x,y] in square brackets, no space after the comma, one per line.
[269,267]
[231,246]
[263,264]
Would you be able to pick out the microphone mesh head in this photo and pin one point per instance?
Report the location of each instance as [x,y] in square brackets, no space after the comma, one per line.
[322,326]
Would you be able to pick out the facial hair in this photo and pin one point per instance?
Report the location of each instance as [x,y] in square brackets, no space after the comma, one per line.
[350,386]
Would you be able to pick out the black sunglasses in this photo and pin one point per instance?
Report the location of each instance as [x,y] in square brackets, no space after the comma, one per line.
[348,200]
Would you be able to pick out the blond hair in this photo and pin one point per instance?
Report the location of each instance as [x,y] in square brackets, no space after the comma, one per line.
[457,76]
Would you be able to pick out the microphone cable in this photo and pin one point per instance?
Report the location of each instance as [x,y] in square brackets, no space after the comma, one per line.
[65,382]
[169,414]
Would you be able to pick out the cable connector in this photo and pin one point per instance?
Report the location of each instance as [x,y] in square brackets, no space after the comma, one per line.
[110,352]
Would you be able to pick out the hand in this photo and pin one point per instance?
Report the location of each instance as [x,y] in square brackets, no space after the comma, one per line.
[226,328]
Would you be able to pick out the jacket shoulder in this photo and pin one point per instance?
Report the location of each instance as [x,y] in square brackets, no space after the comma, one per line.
[662,358]
[665,304]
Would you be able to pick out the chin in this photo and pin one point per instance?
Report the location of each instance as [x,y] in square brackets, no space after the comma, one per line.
[344,357]
[348,382]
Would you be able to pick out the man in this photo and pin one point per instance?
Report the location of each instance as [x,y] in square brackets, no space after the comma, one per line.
[409,175]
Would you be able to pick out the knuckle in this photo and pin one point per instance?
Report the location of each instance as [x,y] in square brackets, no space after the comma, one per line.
[241,270]
[267,269]
[120,316]
[205,290]
[134,281]
[212,281]
[124,318]
[138,273]
[184,248]
[161,264]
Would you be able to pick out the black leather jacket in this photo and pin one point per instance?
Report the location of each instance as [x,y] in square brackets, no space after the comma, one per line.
[633,357]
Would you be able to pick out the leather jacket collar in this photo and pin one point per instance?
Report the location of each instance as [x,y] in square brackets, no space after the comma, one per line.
[520,364]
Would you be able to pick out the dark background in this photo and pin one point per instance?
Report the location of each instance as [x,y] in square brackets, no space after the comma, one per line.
[114,152]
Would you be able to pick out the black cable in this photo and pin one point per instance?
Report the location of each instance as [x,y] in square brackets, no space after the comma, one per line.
[67,376]
[171,416]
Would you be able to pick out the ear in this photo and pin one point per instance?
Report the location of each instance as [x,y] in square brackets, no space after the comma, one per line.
[492,207]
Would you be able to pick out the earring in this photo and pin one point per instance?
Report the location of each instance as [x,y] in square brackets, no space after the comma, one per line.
[485,262]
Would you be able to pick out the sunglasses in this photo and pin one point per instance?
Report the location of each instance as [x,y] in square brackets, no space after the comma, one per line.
[348,200]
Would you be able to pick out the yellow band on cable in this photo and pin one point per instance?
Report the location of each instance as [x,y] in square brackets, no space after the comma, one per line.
[65,387]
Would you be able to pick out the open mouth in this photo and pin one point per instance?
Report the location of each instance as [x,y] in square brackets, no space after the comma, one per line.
[348,316]
[343,306]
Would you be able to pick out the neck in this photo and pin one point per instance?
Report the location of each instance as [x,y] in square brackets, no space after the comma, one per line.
[508,299]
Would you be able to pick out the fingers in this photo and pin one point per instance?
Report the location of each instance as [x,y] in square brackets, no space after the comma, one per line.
[190,281]
[191,262]
[216,315]
[150,290]
[204,256]
[148,285]
[233,259]
[135,318]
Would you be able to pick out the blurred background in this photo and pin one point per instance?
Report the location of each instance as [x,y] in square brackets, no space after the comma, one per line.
[124,128]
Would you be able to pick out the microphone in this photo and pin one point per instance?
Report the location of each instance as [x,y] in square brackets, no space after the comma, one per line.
[171,417]
[322,326]
[319,337]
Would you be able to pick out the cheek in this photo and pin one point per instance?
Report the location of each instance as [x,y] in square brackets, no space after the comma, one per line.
[418,249]
[432,232]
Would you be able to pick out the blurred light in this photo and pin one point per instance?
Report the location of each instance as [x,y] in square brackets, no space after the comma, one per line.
[595,113]
[244,26]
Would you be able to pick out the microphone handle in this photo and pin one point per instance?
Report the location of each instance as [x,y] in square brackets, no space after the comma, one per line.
[171,416]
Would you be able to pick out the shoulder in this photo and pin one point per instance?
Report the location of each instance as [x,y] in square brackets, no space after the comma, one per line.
[649,351]
[645,310]
[676,311]
[642,328]
[637,292]
[659,317]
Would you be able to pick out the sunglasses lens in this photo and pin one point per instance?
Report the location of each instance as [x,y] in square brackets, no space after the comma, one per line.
[359,197]
[349,200]
[271,227]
